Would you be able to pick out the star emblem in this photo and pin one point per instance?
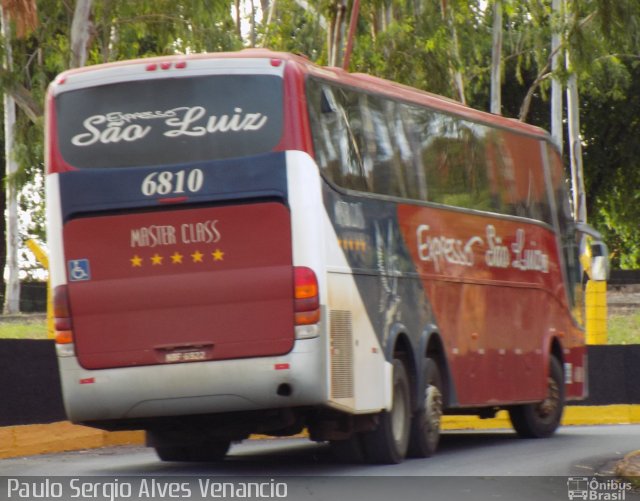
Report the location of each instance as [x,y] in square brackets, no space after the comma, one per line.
[156,260]
[218,255]
[197,256]
[136,261]
[176,258]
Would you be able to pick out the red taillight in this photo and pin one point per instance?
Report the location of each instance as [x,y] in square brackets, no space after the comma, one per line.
[307,300]
[62,315]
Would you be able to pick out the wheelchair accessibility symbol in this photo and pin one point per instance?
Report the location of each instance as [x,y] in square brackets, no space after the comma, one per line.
[79,270]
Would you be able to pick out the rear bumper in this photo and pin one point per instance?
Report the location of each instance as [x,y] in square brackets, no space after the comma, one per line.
[195,388]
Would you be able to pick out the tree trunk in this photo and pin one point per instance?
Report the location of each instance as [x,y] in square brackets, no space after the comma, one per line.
[496,59]
[557,131]
[336,35]
[454,65]
[12,286]
[575,153]
[80,31]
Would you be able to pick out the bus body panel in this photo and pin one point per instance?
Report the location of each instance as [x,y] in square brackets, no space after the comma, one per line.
[181,285]
[184,389]
[358,376]
[490,283]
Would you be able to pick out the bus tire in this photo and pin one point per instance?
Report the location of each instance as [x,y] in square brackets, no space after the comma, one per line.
[388,443]
[425,425]
[209,451]
[540,420]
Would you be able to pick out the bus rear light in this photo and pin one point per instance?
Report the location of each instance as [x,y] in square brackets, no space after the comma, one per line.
[306,283]
[166,65]
[307,317]
[64,337]
[306,298]
[62,315]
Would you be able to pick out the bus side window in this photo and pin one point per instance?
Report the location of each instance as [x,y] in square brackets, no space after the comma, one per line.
[335,136]
[409,147]
[378,152]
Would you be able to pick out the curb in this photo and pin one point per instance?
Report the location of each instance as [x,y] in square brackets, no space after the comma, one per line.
[574,415]
[29,440]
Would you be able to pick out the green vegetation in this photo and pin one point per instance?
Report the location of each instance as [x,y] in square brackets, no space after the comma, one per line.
[24,329]
[442,47]
[624,329]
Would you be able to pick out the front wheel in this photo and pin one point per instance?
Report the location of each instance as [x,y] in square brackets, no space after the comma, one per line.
[389,442]
[541,420]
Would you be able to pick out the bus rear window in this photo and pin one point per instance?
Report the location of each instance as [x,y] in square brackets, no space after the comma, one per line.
[170,121]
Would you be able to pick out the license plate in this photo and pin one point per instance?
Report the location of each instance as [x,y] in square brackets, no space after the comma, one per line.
[185,356]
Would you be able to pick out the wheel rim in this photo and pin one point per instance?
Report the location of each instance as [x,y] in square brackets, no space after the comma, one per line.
[548,408]
[433,414]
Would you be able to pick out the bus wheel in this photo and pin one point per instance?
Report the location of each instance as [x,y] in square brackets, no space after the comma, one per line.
[541,420]
[388,443]
[425,425]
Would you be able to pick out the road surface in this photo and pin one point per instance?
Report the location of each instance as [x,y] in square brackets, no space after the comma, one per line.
[469,465]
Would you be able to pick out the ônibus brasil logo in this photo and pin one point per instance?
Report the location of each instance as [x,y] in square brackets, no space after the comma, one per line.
[595,489]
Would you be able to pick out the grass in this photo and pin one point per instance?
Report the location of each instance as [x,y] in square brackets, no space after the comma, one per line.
[622,329]
[24,329]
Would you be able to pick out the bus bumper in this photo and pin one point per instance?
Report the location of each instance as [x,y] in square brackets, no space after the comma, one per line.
[292,380]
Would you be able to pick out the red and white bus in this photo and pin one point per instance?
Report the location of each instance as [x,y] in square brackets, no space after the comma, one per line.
[249,243]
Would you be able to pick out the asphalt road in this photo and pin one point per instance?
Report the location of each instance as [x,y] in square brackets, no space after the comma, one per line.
[469,465]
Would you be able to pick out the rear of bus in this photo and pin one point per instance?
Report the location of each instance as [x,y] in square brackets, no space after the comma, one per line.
[184,288]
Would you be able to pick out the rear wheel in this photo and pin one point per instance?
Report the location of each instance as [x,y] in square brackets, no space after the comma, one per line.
[388,443]
[541,420]
[425,425]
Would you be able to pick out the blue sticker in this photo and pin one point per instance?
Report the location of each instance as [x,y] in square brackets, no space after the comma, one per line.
[79,270]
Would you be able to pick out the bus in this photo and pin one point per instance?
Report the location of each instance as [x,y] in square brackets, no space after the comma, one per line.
[250,243]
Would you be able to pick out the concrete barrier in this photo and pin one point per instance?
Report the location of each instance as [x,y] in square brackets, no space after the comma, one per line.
[30,386]
[32,417]
[29,383]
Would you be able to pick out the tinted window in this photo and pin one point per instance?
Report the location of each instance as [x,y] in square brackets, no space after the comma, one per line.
[337,135]
[170,121]
[371,143]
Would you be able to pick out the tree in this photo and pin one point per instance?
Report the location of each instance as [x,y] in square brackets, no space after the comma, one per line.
[12,288]
[23,15]
[68,36]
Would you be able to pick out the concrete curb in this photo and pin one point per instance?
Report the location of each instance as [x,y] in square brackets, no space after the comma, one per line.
[574,415]
[29,440]
[63,436]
